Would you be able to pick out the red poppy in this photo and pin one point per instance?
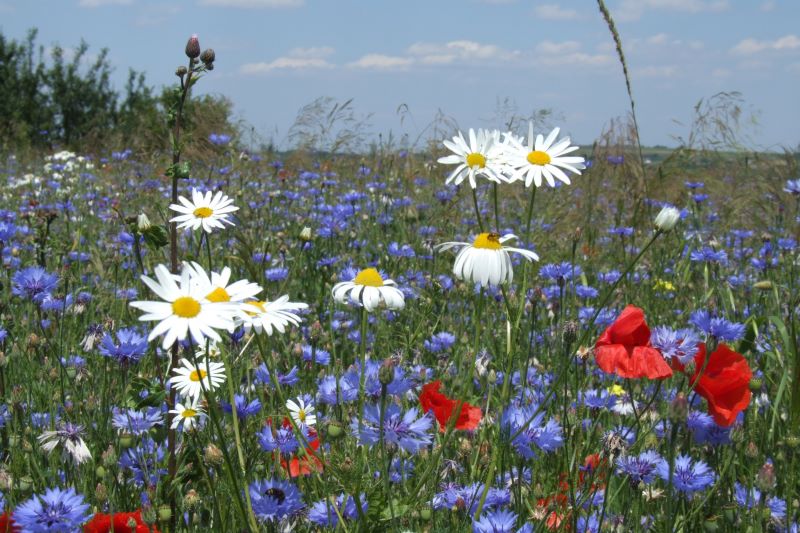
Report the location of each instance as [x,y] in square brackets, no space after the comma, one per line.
[7,524]
[309,463]
[101,523]
[624,348]
[724,383]
[443,407]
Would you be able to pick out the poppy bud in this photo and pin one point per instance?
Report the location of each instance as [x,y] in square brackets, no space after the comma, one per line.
[193,47]
[679,408]
[755,384]
[25,483]
[335,430]
[711,524]
[164,513]
[667,218]
[765,479]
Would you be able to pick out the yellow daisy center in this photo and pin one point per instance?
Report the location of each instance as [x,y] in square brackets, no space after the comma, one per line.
[537,157]
[218,295]
[203,212]
[258,305]
[186,307]
[476,160]
[197,374]
[369,277]
[488,241]
[616,390]
[188,413]
[301,415]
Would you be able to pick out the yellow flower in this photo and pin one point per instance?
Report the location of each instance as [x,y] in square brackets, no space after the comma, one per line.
[664,285]
[616,390]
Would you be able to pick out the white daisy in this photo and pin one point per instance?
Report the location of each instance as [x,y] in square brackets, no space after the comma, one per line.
[540,157]
[486,260]
[266,315]
[302,412]
[217,288]
[483,156]
[205,210]
[185,309]
[370,290]
[186,415]
[190,380]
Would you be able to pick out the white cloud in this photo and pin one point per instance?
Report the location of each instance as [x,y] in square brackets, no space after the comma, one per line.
[659,38]
[720,73]
[381,62]
[769,5]
[660,71]
[285,64]
[567,53]
[554,12]
[253,4]
[157,15]
[101,3]
[455,51]
[630,10]
[312,52]
[754,46]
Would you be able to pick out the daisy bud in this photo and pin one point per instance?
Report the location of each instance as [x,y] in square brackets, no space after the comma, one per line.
[667,218]
[305,235]
[142,222]
[193,47]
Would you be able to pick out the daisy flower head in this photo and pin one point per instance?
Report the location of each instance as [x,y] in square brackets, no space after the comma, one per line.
[302,412]
[68,436]
[190,380]
[486,260]
[268,316]
[483,156]
[208,211]
[184,309]
[369,290]
[186,414]
[542,157]
[219,286]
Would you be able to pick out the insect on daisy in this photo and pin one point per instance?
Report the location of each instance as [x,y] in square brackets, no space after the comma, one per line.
[302,412]
[204,210]
[481,157]
[540,157]
[266,315]
[369,289]
[486,260]
[184,310]
[190,380]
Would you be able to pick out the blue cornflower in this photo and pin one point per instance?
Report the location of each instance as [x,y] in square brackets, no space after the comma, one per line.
[597,399]
[467,498]
[560,272]
[700,197]
[495,521]
[129,348]
[396,250]
[142,462]
[316,355]
[709,255]
[639,469]
[545,437]
[276,274]
[7,231]
[584,291]
[275,499]
[290,378]
[57,511]
[323,514]
[401,470]
[692,185]
[675,344]
[717,327]
[705,431]
[244,408]
[792,187]
[787,245]
[347,389]
[281,439]
[34,283]
[440,342]
[609,277]
[399,429]
[621,231]
[689,476]
[219,139]
[137,422]
[747,498]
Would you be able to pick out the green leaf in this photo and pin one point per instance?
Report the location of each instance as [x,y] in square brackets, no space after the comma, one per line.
[155,237]
[181,171]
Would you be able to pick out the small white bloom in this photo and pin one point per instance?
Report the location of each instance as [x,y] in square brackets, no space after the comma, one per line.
[190,380]
[486,260]
[542,157]
[302,412]
[186,415]
[268,316]
[206,211]
[483,156]
[69,437]
[370,290]
[667,218]
[142,222]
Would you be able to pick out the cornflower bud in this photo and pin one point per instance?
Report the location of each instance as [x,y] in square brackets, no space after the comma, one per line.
[193,47]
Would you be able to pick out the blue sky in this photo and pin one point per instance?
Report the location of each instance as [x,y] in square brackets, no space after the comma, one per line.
[460,57]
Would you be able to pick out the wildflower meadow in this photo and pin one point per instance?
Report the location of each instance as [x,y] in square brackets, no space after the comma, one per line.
[501,332]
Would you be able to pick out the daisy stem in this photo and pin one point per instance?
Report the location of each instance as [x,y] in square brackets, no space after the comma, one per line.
[363,369]
[384,456]
[496,210]
[477,209]
[251,517]
[208,251]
